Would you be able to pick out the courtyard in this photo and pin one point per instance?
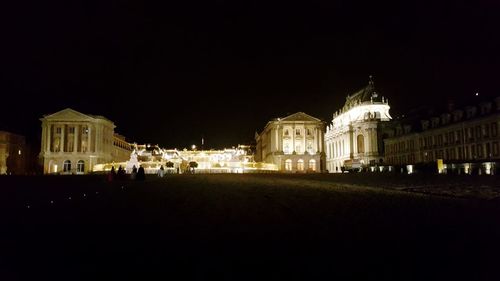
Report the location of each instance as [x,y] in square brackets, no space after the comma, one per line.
[250,226]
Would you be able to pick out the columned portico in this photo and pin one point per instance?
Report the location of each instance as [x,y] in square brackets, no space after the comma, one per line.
[83,141]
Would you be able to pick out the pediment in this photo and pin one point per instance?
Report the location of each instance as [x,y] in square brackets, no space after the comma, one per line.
[67,114]
[301,116]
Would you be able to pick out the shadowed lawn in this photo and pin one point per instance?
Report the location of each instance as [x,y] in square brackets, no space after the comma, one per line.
[242,227]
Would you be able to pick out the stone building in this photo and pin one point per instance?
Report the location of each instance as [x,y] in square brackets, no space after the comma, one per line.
[464,140]
[354,138]
[73,142]
[294,143]
[13,154]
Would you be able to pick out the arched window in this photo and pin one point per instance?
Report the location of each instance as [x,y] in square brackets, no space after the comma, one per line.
[300,165]
[67,166]
[288,165]
[361,144]
[312,165]
[80,167]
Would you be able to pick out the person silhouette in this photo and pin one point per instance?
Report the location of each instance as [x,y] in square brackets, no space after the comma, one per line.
[141,175]
[133,175]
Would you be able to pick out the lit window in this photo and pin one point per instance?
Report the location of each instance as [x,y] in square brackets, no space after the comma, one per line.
[67,166]
[80,166]
[312,165]
[300,165]
[288,165]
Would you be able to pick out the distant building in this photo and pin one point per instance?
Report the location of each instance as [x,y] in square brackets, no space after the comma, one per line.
[13,151]
[73,142]
[294,143]
[465,140]
[354,137]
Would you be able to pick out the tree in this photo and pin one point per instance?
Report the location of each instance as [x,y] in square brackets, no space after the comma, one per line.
[193,165]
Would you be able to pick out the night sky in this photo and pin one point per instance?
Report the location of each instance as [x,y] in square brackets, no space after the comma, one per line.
[170,73]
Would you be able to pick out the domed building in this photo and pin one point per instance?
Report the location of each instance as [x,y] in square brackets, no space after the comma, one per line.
[354,138]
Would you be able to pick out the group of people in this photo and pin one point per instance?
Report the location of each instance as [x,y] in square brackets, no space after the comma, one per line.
[136,174]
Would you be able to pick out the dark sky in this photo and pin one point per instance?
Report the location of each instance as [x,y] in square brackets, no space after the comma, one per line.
[170,73]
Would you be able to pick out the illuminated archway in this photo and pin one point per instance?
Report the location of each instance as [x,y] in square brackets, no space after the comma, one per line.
[300,165]
[312,165]
[288,165]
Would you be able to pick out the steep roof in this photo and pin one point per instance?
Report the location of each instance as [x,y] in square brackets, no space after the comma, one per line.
[365,94]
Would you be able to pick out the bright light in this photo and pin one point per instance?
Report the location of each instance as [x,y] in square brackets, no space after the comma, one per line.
[193,147]
[477,94]
[19,152]
[55,168]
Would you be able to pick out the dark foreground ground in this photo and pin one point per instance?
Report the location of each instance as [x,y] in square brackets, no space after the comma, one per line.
[244,227]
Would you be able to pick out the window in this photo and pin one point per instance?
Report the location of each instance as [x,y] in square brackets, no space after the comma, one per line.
[287,133]
[297,132]
[298,148]
[71,130]
[361,144]
[488,150]
[67,166]
[494,129]
[300,165]
[495,149]
[80,167]
[58,130]
[478,132]
[309,147]
[288,165]
[309,133]
[480,150]
[312,165]
[286,148]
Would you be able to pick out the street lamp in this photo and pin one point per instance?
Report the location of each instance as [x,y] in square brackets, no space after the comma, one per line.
[193,147]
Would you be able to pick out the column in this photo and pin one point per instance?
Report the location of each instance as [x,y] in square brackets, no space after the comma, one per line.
[75,139]
[280,139]
[277,140]
[305,142]
[49,137]
[293,138]
[43,147]
[316,140]
[89,138]
[321,140]
[63,137]
[272,139]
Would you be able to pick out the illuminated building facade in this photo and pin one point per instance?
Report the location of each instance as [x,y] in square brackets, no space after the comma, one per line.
[73,142]
[151,157]
[294,143]
[466,140]
[354,137]
[12,154]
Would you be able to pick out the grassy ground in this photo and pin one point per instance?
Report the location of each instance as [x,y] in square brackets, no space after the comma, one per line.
[234,227]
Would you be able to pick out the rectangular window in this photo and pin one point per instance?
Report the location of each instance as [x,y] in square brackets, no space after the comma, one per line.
[478,132]
[480,150]
[473,151]
[495,149]
[58,130]
[297,132]
[486,130]
[71,130]
[488,150]
[494,129]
